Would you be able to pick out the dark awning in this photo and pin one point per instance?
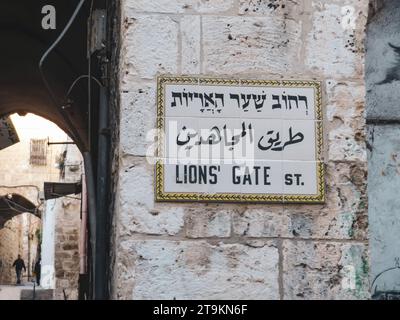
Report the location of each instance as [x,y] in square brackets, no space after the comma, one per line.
[53,190]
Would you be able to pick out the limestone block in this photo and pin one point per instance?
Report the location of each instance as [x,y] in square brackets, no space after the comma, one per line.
[150,46]
[269,7]
[124,273]
[138,118]
[256,45]
[345,91]
[344,214]
[199,270]
[191,45]
[138,213]
[208,221]
[213,6]
[343,145]
[346,120]
[314,270]
[180,6]
[256,221]
[334,44]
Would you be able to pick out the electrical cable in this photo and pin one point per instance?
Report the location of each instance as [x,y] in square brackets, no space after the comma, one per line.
[74,131]
[80,78]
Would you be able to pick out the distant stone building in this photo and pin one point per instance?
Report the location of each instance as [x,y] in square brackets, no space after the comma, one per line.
[25,167]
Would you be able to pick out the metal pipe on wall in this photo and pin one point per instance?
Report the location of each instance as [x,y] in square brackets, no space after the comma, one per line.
[83,232]
[102,197]
[91,192]
[97,219]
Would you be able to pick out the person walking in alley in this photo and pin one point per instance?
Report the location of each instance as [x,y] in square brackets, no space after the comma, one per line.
[37,271]
[19,264]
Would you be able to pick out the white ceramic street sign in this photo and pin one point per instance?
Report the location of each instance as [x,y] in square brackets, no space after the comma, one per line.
[230,140]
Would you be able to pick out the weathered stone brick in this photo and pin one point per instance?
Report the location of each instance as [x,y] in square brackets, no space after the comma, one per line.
[344,214]
[151,47]
[138,118]
[269,7]
[334,46]
[213,6]
[208,221]
[191,46]
[198,270]
[180,6]
[235,45]
[314,270]
[138,213]
[346,121]
[255,221]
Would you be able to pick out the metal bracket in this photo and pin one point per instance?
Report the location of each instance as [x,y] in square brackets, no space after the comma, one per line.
[98,30]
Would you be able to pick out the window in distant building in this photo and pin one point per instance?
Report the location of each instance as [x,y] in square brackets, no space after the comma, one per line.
[38,152]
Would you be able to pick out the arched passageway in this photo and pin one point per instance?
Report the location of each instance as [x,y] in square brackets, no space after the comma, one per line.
[19,220]
[36,220]
[46,71]
[12,204]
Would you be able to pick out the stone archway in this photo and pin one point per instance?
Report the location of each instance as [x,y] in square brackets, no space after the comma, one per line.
[21,85]
[19,226]
[55,236]
[73,102]
[13,204]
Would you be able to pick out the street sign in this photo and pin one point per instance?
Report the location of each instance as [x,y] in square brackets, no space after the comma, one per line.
[227,140]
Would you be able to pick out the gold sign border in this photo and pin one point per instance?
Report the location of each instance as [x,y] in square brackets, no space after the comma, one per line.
[162,196]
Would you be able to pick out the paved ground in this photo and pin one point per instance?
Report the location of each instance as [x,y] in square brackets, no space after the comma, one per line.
[13,292]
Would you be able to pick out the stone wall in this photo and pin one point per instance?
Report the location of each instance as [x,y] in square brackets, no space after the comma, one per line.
[66,249]
[14,241]
[242,251]
[10,247]
[67,232]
